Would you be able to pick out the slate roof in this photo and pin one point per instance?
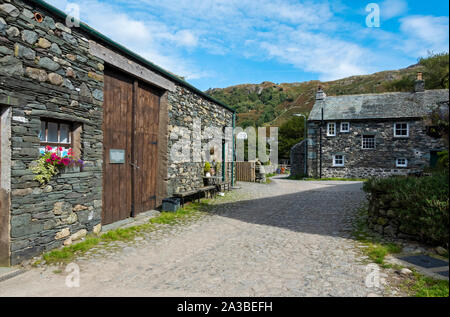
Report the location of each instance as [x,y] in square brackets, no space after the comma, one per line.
[379,106]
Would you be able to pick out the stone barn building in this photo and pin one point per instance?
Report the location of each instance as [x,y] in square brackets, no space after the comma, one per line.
[373,134]
[74,89]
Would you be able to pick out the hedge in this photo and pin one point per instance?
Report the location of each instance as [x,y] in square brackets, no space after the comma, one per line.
[420,204]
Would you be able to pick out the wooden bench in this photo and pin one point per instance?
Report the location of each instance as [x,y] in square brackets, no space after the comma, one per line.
[212,190]
[183,195]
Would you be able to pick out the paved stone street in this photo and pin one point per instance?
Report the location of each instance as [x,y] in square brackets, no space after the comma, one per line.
[287,238]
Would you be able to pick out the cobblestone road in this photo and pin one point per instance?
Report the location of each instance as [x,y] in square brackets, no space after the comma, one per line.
[288,238]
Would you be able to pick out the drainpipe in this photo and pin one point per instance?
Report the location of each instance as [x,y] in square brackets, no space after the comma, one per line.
[223,154]
[233,158]
[321,125]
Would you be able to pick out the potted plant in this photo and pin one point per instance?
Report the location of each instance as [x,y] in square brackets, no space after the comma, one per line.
[52,162]
[207,169]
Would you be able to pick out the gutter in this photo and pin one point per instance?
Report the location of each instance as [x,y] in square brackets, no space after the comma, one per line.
[99,36]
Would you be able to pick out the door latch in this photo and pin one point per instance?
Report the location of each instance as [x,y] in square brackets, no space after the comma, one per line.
[134,165]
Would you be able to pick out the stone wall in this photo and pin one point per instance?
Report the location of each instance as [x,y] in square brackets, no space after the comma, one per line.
[184,107]
[382,218]
[363,163]
[46,66]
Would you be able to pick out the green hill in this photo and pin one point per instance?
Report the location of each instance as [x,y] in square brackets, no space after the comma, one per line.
[270,104]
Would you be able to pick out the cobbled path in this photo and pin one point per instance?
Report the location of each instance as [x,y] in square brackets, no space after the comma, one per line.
[287,238]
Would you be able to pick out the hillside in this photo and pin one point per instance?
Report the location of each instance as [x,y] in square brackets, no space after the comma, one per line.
[273,104]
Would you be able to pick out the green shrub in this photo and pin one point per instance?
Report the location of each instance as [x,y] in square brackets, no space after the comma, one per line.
[207,167]
[420,204]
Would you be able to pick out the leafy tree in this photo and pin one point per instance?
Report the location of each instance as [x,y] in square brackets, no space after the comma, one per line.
[290,133]
[436,70]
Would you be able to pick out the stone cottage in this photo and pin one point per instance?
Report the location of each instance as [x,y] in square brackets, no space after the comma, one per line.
[73,89]
[360,136]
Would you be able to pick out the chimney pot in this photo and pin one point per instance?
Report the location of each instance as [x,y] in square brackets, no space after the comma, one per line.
[419,84]
[419,76]
[320,95]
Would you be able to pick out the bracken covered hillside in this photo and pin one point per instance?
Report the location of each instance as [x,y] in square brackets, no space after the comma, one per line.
[273,104]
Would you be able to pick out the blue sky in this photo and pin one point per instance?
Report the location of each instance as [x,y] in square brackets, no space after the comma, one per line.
[219,43]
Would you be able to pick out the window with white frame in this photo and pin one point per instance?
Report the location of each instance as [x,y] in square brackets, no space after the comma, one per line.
[401,162]
[338,160]
[368,142]
[401,130]
[331,129]
[345,126]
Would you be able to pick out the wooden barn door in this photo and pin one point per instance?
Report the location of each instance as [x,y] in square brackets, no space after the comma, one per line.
[117,127]
[145,150]
[130,127]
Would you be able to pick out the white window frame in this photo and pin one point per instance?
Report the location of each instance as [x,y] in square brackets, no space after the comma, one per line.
[328,128]
[345,131]
[407,130]
[374,142]
[401,165]
[334,161]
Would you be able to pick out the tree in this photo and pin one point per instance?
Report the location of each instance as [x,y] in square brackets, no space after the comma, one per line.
[436,70]
[290,133]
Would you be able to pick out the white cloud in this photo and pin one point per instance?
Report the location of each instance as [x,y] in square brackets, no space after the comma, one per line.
[150,38]
[310,35]
[319,53]
[424,33]
[393,8]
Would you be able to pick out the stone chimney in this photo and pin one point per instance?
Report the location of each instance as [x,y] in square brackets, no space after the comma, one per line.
[320,94]
[419,84]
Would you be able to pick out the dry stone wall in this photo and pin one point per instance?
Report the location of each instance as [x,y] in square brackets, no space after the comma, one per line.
[184,108]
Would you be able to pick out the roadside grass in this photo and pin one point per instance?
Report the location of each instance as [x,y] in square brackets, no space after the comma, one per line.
[417,284]
[375,249]
[423,286]
[68,253]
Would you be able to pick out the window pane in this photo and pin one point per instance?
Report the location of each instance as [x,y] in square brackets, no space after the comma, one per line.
[64,133]
[52,132]
[368,142]
[331,128]
[401,129]
[338,160]
[42,132]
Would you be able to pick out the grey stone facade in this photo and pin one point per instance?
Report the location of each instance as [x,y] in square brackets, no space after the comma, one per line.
[47,71]
[369,115]
[184,108]
[45,66]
